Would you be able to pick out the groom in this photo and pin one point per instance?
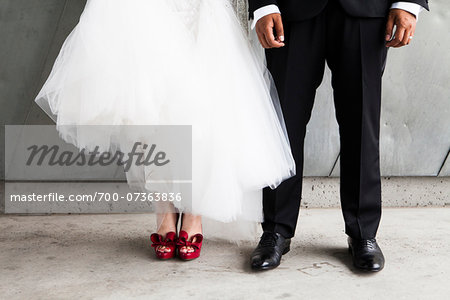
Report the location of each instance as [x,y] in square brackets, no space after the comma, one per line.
[352,37]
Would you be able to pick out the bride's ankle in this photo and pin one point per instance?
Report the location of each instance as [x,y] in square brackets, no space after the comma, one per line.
[191,224]
[167,223]
[164,230]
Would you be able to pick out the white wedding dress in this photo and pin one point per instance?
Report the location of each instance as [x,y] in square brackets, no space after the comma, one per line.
[176,62]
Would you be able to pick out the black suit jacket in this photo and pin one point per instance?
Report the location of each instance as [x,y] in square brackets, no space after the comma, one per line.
[296,10]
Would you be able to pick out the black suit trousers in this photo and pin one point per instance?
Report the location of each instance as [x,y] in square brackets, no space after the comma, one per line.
[355,51]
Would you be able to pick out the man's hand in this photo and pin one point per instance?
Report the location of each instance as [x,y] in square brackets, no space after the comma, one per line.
[406,26]
[265,30]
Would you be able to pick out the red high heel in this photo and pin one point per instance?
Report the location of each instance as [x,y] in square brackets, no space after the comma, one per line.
[184,241]
[169,242]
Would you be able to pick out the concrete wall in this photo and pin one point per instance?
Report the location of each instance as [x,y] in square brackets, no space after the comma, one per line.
[416,106]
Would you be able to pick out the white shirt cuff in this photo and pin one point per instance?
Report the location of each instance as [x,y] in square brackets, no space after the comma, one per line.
[413,8]
[264,11]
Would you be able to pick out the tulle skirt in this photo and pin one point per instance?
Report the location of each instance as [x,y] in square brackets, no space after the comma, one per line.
[175,62]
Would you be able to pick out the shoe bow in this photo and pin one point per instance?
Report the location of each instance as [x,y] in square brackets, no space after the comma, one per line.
[158,240]
[184,242]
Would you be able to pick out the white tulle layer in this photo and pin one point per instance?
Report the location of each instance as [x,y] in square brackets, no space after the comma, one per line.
[175,62]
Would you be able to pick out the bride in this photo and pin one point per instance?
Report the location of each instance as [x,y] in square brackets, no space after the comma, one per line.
[175,62]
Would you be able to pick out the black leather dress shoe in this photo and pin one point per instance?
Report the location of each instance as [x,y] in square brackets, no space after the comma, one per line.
[366,254]
[267,254]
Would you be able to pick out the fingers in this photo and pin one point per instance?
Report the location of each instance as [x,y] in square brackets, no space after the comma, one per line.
[276,24]
[405,24]
[410,35]
[262,40]
[406,38]
[270,38]
[279,29]
[389,28]
[265,30]
[398,38]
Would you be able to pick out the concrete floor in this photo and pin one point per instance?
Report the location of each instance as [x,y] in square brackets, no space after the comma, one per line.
[108,257]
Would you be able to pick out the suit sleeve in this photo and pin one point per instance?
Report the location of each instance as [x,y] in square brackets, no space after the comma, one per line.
[255,4]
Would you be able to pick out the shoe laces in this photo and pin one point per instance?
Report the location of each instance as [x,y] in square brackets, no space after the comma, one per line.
[268,239]
[371,244]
